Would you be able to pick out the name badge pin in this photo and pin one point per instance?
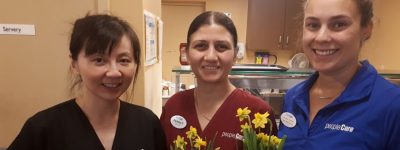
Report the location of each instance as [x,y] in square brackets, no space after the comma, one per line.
[288,119]
[178,122]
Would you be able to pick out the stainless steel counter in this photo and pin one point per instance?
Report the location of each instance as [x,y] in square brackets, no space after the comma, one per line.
[272,79]
[277,80]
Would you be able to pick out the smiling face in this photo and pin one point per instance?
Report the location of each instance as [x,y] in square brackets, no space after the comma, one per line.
[211,53]
[106,76]
[332,34]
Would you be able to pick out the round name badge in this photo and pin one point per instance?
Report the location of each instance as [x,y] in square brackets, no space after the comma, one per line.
[178,122]
[288,119]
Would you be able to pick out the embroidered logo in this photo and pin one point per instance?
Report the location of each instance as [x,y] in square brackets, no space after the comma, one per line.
[232,135]
[339,127]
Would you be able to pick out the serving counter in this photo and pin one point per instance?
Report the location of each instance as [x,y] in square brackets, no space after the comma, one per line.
[270,85]
[262,79]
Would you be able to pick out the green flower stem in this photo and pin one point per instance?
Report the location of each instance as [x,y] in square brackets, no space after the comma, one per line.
[270,132]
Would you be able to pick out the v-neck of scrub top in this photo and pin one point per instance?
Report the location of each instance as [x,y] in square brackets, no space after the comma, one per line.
[213,119]
[91,129]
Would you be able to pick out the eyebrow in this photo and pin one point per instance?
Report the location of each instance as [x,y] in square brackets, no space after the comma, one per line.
[339,17]
[125,54]
[331,18]
[311,18]
[222,42]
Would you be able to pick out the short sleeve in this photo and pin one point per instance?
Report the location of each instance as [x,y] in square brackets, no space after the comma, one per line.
[31,137]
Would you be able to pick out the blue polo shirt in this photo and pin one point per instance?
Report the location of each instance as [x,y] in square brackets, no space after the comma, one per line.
[365,116]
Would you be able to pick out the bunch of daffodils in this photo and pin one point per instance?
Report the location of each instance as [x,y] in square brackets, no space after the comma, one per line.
[258,141]
[195,141]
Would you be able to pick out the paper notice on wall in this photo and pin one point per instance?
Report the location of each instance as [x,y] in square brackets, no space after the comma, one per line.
[17,29]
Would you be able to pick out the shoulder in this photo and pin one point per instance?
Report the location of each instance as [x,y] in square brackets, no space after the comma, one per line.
[50,117]
[53,113]
[180,103]
[386,91]
[179,99]
[245,99]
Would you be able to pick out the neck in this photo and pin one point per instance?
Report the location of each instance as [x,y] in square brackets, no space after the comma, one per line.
[212,93]
[98,110]
[330,85]
[340,76]
[208,99]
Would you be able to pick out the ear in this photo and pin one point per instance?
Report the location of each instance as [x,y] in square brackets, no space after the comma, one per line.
[74,65]
[187,56]
[236,51]
[367,31]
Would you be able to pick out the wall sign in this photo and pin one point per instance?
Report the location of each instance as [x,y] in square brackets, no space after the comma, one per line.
[17,29]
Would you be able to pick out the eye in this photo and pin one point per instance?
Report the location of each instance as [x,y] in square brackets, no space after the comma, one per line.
[339,25]
[222,47]
[200,46]
[312,26]
[125,60]
[98,60]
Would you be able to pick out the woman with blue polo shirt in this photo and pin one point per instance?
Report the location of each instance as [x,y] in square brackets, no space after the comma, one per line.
[345,104]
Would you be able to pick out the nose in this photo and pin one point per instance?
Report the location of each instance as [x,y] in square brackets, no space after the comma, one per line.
[211,54]
[113,71]
[323,35]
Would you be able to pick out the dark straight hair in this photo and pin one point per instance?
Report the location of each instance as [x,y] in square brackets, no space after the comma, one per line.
[212,17]
[100,34]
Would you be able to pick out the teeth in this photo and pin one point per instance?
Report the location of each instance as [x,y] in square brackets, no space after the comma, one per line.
[325,52]
[210,67]
[110,85]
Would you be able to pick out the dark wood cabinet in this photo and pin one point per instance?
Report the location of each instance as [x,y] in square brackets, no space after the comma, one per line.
[274,24]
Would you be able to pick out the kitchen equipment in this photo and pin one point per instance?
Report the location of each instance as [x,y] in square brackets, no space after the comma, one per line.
[299,61]
[258,67]
[264,57]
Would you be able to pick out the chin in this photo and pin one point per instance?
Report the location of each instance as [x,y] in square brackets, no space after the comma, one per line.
[111,97]
[213,80]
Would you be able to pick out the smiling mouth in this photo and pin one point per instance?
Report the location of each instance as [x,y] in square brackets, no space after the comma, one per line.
[210,67]
[325,52]
[111,85]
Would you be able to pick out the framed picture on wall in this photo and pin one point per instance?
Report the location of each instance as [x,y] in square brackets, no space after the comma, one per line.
[160,31]
[150,38]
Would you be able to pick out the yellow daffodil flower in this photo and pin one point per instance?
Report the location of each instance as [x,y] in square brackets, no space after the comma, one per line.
[242,113]
[244,127]
[180,143]
[198,143]
[258,140]
[276,140]
[192,133]
[261,136]
[260,120]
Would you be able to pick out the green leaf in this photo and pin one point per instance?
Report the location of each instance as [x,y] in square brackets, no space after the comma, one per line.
[282,144]
[210,145]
